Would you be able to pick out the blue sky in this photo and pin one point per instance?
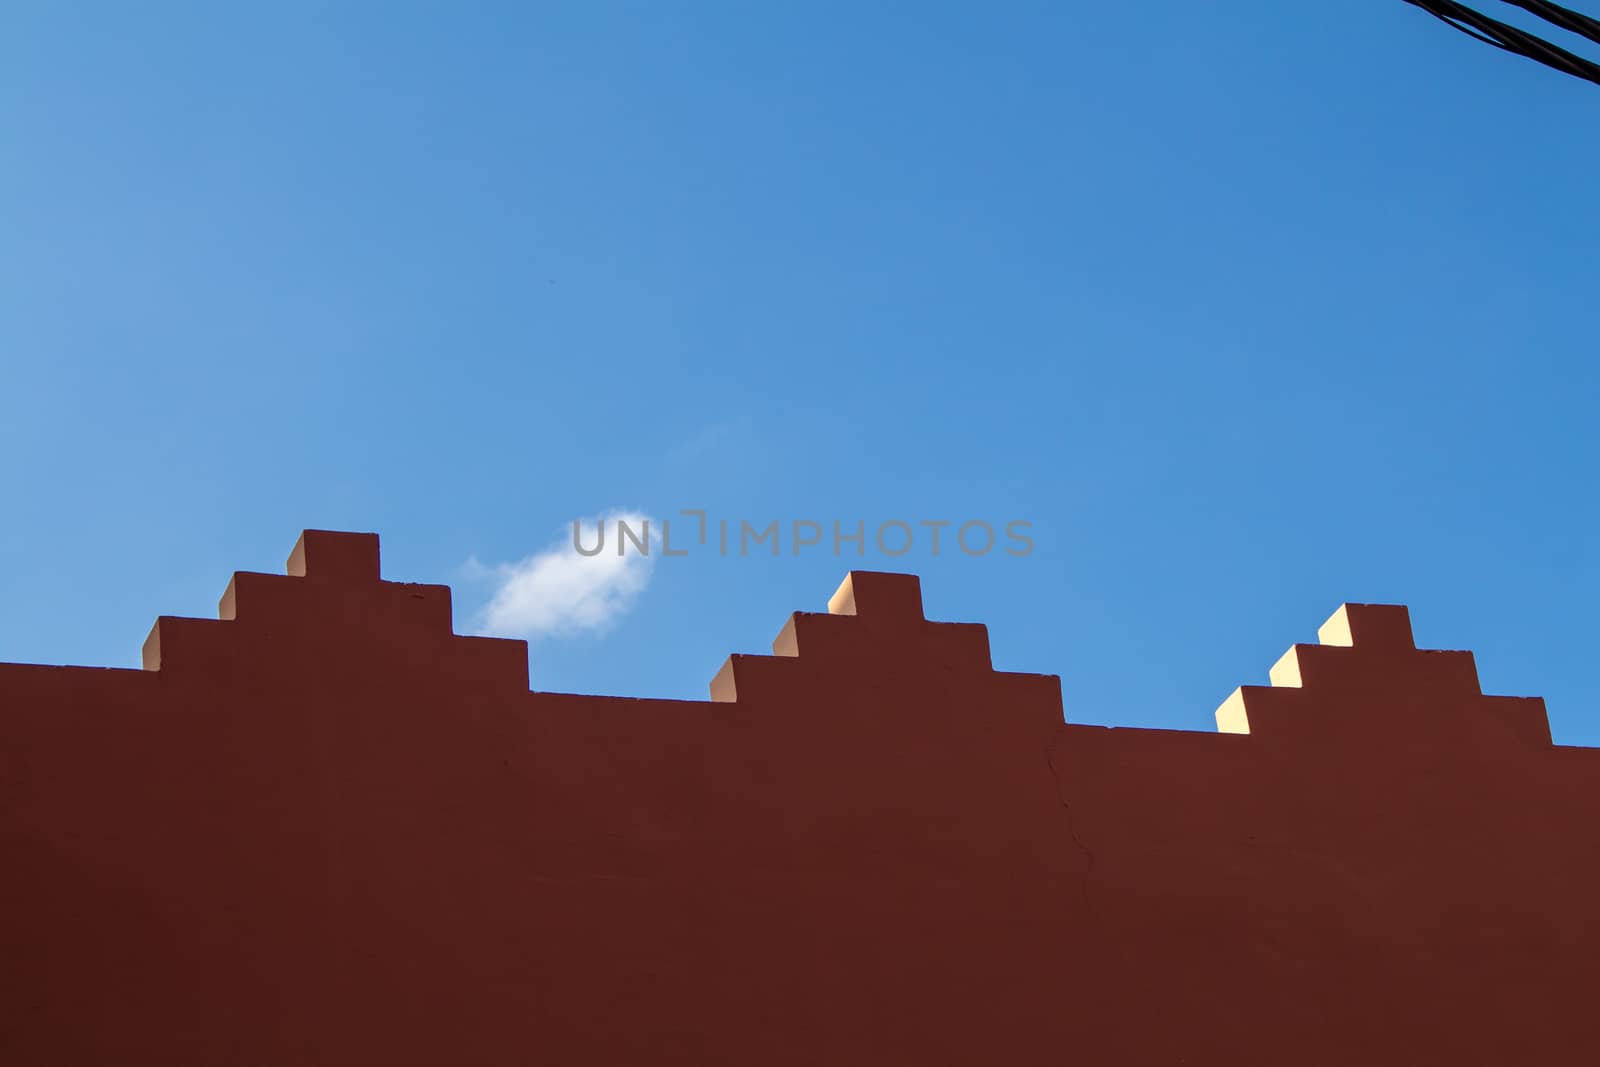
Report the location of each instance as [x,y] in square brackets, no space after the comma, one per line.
[1249,309]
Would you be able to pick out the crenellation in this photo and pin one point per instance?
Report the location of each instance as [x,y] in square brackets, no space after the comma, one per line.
[332,601]
[1367,680]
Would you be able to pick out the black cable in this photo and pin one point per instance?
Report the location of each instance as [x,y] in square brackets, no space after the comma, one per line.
[1509,37]
[1565,17]
[1512,39]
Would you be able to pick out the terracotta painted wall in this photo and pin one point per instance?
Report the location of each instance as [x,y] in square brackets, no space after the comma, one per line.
[326,831]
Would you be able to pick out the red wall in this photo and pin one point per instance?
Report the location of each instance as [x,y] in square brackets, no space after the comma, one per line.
[326,831]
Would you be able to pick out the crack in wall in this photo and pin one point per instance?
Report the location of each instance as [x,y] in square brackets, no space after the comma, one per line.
[1072,824]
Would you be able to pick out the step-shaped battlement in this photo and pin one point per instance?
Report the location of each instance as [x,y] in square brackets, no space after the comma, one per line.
[332,599]
[873,620]
[333,596]
[1367,678]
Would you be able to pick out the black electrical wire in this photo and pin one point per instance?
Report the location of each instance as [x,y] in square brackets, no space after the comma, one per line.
[1520,42]
[1564,17]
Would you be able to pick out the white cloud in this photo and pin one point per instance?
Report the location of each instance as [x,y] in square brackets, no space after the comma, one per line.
[559,592]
